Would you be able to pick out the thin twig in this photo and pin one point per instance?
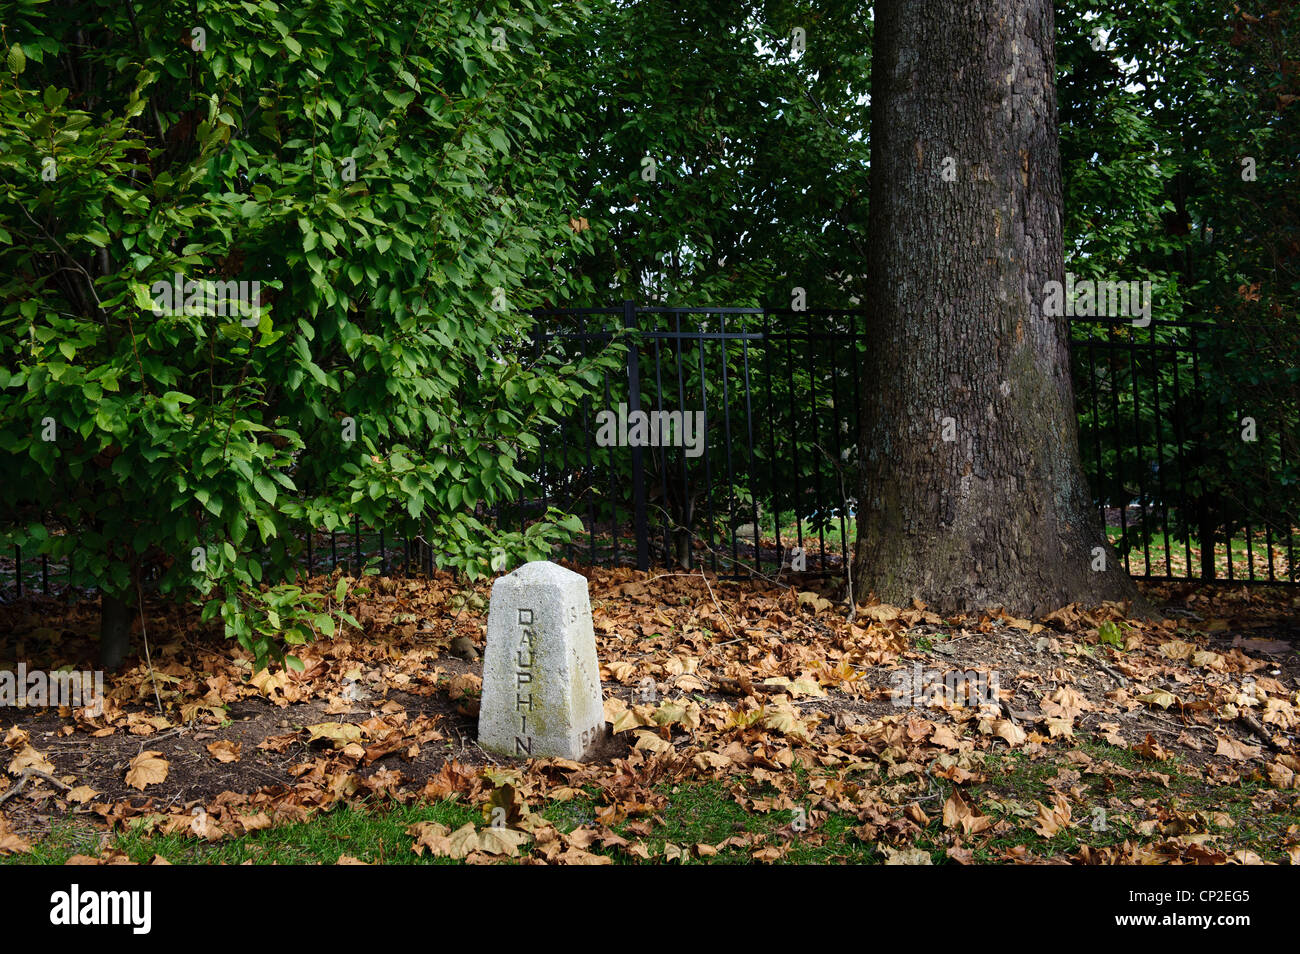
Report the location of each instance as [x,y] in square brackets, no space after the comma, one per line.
[716,603]
[151,739]
[139,595]
[28,774]
[1119,678]
[1250,722]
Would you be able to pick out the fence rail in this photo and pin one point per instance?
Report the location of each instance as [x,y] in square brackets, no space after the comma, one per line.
[770,409]
[726,440]
[1188,435]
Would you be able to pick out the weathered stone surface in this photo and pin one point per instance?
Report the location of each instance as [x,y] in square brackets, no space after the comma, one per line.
[541,679]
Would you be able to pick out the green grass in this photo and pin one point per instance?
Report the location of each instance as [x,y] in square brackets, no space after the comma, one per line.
[696,814]
[1241,555]
[371,835]
[1020,779]
[705,813]
[811,541]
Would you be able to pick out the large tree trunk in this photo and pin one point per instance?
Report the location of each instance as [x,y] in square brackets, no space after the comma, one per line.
[115,617]
[1000,514]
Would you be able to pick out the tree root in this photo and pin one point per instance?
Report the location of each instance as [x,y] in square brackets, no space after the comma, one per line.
[1251,723]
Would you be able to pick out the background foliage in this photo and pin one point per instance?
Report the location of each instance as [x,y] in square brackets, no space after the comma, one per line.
[393,298]
[1179,151]
[406,180]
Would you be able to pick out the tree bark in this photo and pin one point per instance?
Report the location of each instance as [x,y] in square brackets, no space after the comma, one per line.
[115,619]
[999,515]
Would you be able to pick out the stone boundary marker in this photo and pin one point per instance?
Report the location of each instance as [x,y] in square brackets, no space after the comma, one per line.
[541,680]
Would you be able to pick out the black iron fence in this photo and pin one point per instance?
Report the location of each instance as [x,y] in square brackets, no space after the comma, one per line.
[1188,432]
[727,439]
[723,441]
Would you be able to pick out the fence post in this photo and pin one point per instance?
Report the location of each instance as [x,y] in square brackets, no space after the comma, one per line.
[1204,517]
[638,460]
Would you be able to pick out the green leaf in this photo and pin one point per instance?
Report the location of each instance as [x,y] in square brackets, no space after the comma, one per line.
[265,488]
